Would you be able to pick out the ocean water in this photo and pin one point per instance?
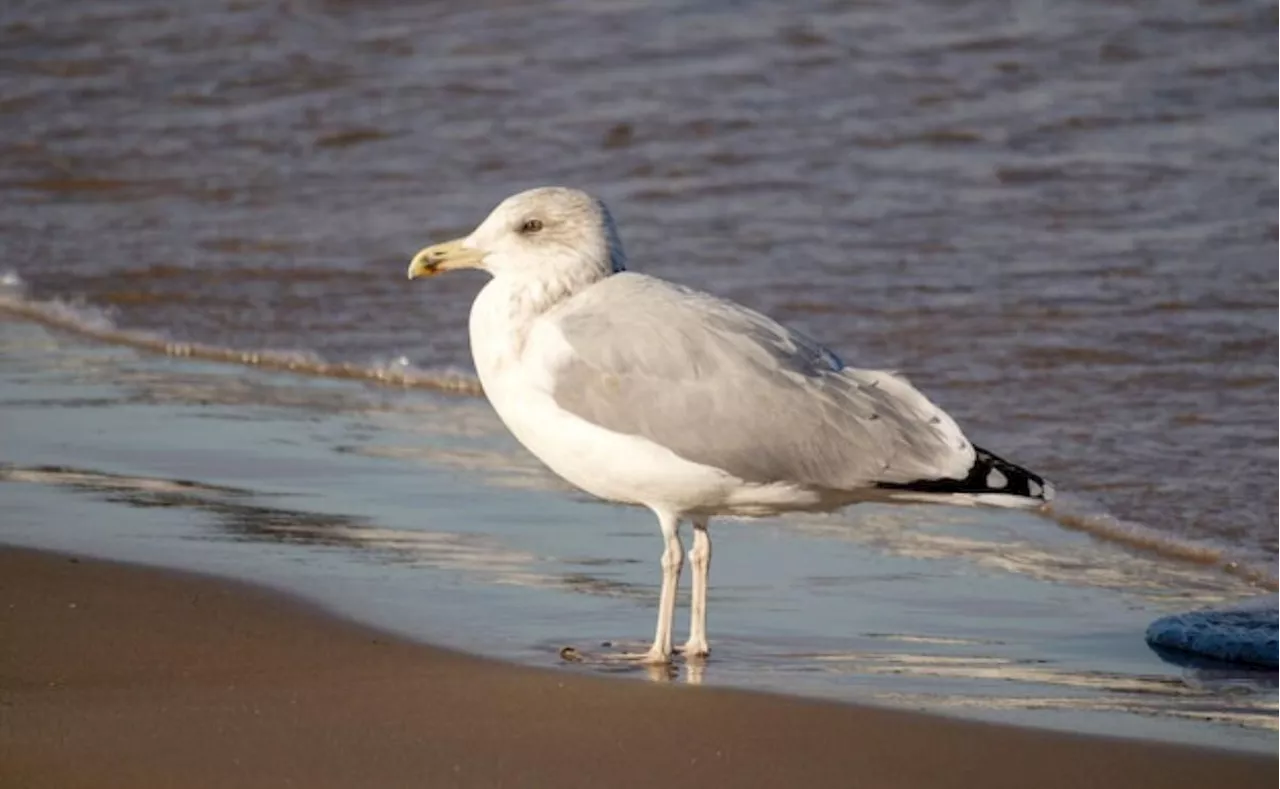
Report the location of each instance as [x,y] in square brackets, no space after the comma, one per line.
[1058,219]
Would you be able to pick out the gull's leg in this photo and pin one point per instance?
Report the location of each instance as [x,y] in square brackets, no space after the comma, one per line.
[672,559]
[700,561]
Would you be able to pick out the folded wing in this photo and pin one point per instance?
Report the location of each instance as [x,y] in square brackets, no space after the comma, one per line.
[726,387]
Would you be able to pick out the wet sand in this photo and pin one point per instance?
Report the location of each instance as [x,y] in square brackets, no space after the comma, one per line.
[114,675]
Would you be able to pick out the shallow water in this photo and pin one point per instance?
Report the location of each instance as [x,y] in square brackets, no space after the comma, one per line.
[1059,219]
[415,512]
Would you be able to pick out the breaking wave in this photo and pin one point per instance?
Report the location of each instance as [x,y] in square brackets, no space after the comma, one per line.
[86,320]
[1079,515]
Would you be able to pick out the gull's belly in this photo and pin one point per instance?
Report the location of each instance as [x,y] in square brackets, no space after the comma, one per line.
[633,470]
[609,465]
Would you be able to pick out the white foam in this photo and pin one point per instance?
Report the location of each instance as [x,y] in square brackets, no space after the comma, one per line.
[1079,515]
[98,324]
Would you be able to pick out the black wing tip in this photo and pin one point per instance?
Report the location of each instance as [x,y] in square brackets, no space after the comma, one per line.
[989,473]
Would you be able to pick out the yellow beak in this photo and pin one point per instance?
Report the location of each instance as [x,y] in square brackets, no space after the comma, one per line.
[444,257]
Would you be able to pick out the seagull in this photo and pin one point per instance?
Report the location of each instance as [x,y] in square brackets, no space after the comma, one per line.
[645,392]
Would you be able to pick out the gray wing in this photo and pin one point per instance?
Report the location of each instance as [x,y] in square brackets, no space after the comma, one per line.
[724,386]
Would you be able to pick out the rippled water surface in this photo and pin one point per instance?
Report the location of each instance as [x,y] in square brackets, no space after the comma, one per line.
[1058,218]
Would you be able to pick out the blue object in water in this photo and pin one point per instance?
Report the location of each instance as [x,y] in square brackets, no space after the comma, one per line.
[1245,633]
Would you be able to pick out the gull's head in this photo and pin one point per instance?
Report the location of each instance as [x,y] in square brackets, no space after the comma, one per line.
[551,234]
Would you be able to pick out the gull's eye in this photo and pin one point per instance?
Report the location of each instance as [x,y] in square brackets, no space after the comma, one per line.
[531,226]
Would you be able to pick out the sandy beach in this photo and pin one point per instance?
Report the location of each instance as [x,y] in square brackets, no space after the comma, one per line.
[117,676]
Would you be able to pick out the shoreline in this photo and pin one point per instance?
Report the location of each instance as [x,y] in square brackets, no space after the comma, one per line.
[416,516]
[120,675]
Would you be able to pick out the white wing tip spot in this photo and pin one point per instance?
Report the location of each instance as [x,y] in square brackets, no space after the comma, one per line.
[996,480]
